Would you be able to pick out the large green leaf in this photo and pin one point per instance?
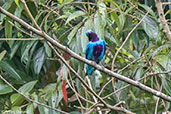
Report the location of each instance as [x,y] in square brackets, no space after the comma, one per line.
[27,45]
[74,15]
[73,32]
[17,99]
[39,59]
[165,61]
[150,27]
[11,70]
[26,88]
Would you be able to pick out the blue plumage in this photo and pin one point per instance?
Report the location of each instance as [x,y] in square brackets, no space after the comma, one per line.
[95,49]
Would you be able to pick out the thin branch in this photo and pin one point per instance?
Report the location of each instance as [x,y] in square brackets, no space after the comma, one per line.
[145,76]
[166,29]
[113,61]
[166,3]
[29,99]
[29,13]
[76,56]
[129,34]
[22,39]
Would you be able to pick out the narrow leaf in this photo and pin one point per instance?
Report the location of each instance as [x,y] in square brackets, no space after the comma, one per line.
[2,54]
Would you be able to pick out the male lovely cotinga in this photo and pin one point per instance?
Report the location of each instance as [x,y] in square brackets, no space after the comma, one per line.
[95,49]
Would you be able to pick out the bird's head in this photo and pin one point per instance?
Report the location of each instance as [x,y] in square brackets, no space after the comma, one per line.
[92,36]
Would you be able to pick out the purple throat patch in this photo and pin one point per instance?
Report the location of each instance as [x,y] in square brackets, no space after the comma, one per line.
[97,50]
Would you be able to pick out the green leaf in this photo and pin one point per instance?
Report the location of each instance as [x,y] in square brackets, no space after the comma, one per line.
[48,50]
[26,88]
[10,69]
[29,109]
[8,30]
[72,33]
[14,48]
[115,17]
[74,15]
[25,50]
[167,84]
[164,60]
[17,99]
[2,54]
[148,9]
[150,27]
[17,3]
[16,110]
[39,59]
[99,24]
[42,109]
[4,89]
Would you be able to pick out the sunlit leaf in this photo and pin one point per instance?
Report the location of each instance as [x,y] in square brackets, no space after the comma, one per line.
[2,54]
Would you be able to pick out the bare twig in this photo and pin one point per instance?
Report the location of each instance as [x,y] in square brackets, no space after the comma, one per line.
[29,13]
[98,67]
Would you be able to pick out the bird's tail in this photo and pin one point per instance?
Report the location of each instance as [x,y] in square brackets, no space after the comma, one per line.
[89,70]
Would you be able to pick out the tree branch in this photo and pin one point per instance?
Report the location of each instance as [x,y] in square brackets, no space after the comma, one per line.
[73,54]
[166,29]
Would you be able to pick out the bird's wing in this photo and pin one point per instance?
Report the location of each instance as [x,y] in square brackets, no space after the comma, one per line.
[87,50]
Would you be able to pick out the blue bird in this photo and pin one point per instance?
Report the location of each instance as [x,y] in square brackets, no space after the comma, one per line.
[95,49]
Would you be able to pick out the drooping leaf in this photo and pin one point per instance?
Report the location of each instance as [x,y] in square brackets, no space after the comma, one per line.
[48,50]
[14,48]
[73,32]
[39,59]
[74,15]
[11,70]
[148,9]
[151,28]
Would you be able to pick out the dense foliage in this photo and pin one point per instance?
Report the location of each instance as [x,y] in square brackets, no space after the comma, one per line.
[32,67]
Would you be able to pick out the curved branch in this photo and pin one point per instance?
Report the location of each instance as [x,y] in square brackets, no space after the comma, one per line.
[76,56]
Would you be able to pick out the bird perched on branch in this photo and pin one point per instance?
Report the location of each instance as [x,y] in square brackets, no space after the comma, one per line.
[95,49]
